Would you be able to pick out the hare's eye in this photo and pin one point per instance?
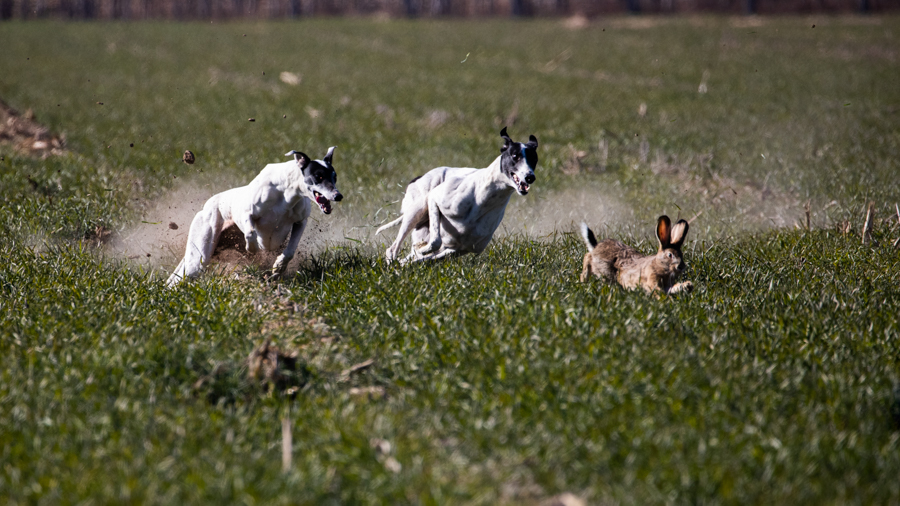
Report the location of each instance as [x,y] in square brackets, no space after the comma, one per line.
[670,254]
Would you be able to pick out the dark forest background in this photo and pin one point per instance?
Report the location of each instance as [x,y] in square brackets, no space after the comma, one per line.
[273,9]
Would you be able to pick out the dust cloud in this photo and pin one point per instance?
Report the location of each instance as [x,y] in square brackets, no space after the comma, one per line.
[719,208]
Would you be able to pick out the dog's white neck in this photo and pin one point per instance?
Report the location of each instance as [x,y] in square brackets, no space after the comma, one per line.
[293,177]
[495,183]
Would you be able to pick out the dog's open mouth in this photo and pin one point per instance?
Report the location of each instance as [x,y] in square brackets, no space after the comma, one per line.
[324,204]
[521,186]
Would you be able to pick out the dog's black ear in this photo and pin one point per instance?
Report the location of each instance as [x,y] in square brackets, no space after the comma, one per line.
[506,140]
[302,159]
[532,142]
[328,155]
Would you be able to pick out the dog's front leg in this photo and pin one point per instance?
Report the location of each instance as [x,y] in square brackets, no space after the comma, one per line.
[434,228]
[285,257]
[247,223]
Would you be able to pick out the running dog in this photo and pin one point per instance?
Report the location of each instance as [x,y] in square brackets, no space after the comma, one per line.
[456,210]
[276,203]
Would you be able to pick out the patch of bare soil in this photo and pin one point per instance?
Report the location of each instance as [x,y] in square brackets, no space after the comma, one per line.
[26,134]
[231,251]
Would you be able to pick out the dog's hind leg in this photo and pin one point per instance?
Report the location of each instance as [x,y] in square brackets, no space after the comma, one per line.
[202,238]
[408,223]
[434,228]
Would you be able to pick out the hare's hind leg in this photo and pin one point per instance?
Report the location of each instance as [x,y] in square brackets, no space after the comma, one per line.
[586,268]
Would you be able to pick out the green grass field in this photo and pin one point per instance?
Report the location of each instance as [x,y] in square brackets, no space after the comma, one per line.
[496,379]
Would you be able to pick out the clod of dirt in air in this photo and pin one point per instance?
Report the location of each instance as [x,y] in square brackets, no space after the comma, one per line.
[251,120]
[131,145]
[99,103]
[173,225]
[188,157]
[26,134]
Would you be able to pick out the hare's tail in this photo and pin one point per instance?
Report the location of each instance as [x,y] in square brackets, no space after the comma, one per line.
[588,236]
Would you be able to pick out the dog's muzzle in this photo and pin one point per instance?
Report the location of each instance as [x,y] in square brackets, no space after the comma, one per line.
[324,203]
[523,186]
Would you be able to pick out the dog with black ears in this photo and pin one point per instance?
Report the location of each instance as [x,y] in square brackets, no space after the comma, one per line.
[275,204]
[456,210]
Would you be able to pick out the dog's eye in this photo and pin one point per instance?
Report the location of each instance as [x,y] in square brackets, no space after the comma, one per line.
[319,178]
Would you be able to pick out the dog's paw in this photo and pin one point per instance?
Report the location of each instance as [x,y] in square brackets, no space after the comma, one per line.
[423,249]
[280,265]
[251,243]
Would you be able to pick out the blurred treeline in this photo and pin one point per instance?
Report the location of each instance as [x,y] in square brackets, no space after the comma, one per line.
[223,9]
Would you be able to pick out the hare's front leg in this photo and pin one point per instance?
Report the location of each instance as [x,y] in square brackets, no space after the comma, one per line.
[684,287]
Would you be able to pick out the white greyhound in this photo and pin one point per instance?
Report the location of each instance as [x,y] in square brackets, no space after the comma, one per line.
[274,204]
[456,210]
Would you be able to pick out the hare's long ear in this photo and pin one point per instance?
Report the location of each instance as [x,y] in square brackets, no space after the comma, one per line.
[664,232]
[679,233]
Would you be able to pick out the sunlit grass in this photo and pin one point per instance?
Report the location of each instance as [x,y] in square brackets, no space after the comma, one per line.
[498,378]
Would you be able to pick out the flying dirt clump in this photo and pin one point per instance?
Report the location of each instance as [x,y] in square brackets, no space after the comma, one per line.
[26,134]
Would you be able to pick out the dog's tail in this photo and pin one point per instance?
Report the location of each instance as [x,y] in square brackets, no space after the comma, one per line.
[588,236]
[389,225]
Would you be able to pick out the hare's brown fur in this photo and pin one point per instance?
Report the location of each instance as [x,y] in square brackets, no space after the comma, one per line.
[616,262]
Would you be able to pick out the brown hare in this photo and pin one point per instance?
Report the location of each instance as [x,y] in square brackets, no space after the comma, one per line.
[619,263]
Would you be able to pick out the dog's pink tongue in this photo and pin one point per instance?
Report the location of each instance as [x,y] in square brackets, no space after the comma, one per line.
[323,203]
